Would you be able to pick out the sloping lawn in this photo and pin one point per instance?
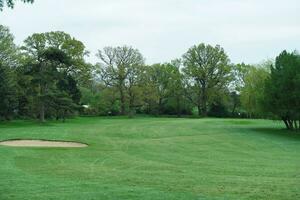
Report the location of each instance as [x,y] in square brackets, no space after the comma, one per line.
[152,158]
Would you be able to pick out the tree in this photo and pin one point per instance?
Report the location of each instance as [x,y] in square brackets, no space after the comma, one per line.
[239,72]
[252,93]
[158,79]
[11,3]
[282,90]
[74,49]
[8,101]
[8,49]
[8,63]
[134,87]
[176,86]
[54,91]
[44,80]
[25,92]
[163,88]
[206,69]
[118,68]
[100,100]
[56,62]
[234,103]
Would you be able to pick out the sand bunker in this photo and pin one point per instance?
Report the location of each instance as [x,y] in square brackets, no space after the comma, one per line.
[42,143]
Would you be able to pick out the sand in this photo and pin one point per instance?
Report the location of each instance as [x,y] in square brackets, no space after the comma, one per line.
[42,143]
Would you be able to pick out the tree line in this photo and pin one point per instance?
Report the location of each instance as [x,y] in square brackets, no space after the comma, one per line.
[48,77]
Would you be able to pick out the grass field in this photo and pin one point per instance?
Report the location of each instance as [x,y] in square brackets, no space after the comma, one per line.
[152,158]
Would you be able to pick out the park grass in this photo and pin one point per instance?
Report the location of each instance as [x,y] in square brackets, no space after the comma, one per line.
[152,158]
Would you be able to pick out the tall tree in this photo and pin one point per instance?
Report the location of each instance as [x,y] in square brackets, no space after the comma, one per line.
[282,91]
[206,69]
[176,86]
[7,92]
[163,84]
[11,3]
[44,81]
[8,63]
[8,49]
[158,79]
[239,72]
[252,92]
[53,90]
[76,50]
[118,68]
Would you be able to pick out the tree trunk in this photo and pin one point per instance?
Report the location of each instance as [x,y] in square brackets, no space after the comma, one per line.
[286,123]
[42,112]
[122,96]
[291,124]
[178,106]
[233,109]
[199,104]
[64,116]
[204,110]
[296,125]
[131,103]
[199,110]
[42,91]
[204,102]
[160,106]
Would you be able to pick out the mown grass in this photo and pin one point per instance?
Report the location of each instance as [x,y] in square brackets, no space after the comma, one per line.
[152,158]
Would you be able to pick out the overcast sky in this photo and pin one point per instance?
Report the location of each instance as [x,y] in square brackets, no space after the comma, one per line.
[249,30]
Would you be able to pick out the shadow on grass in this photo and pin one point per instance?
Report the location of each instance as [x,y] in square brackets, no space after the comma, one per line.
[239,121]
[278,132]
[24,123]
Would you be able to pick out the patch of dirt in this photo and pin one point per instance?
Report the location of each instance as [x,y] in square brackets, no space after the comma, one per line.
[42,143]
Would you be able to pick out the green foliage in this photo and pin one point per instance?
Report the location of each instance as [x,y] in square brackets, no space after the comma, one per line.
[252,94]
[36,44]
[100,100]
[120,68]
[218,109]
[240,71]
[8,49]
[163,88]
[46,76]
[207,72]
[8,62]
[282,91]
[68,84]
[8,101]
[53,90]
[53,67]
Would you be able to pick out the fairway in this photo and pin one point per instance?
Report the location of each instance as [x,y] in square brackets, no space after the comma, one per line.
[151,158]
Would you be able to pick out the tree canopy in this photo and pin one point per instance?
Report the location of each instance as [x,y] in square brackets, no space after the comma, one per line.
[48,77]
[8,49]
[37,43]
[252,92]
[282,90]
[119,68]
[207,70]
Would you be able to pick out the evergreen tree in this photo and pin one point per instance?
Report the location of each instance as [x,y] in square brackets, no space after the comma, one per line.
[282,91]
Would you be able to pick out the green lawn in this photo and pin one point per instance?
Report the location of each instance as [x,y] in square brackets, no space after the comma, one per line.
[152,158]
